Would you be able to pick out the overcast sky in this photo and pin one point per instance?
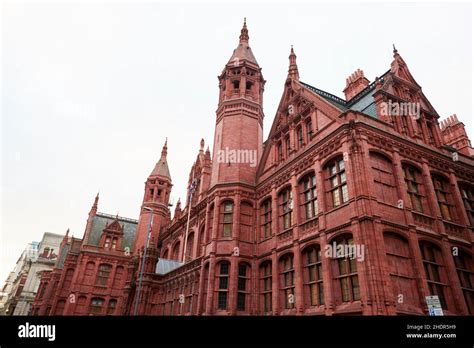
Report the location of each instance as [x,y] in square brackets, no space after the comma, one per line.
[90,91]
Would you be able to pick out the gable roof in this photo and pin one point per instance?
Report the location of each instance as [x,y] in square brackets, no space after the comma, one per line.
[100,220]
[363,101]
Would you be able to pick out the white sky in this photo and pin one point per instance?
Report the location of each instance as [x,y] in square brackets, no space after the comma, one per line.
[90,91]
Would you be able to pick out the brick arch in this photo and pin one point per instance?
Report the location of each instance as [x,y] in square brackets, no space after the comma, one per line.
[440,174]
[331,158]
[381,153]
[304,174]
[266,259]
[176,249]
[339,234]
[262,200]
[412,164]
[283,187]
[308,245]
[398,233]
[247,201]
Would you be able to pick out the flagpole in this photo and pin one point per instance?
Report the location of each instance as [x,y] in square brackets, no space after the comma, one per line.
[192,188]
[142,266]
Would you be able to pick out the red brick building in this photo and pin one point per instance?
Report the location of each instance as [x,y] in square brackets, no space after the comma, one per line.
[362,205]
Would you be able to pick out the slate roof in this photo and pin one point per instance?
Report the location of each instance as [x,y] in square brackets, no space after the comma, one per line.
[98,224]
[363,101]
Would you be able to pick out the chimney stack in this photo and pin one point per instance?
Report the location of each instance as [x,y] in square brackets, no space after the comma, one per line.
[355,83]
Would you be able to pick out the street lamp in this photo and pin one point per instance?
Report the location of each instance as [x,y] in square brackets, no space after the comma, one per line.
[142,266]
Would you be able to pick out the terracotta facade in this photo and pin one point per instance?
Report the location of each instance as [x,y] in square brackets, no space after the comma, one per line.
[363,205]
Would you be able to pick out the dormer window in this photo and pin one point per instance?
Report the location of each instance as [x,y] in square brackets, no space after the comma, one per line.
[114,243]
[107,242]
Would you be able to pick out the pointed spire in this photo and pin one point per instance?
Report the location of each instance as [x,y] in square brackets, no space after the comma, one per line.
[244,33]
[293,69]
[243,50]
[164,151]
[161,167]
[95,206]
[201,148]
[66,237]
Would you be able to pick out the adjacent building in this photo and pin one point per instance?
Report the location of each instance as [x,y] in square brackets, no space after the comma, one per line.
[22,283]
[362,205]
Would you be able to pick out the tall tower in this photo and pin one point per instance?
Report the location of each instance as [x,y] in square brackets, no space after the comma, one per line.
[238,134]
[155,202]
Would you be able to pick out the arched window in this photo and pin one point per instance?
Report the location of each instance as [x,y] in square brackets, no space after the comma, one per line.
[309,131]
[166,254]
[103,274]
[287,147]
[60,307]
[223,284]
[111,307]
[467,194]
[299,137]
[68,278]
[384,180]
[280,152]
[190,247]
[313,276]
[118,277]
[347,269]
[402,274]
[205,287]
[413,180]
[201,238]
[266,286]
[242,286]
[175,253]
[89,273]
[287,281]
[309,196]
[443,195]
[285,201]
[81,305]
[336,182]
[96,305]
[434,270]
[246,221]
[465,272]
[210,224]
[266,218]
[227,209]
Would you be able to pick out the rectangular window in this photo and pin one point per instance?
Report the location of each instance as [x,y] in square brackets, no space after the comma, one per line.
[286,208]
[222,300]
[337,183]
[267,218]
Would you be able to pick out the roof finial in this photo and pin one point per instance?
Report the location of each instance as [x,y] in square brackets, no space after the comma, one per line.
[164,152]
[244,33]
[293,69]
[395,52]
